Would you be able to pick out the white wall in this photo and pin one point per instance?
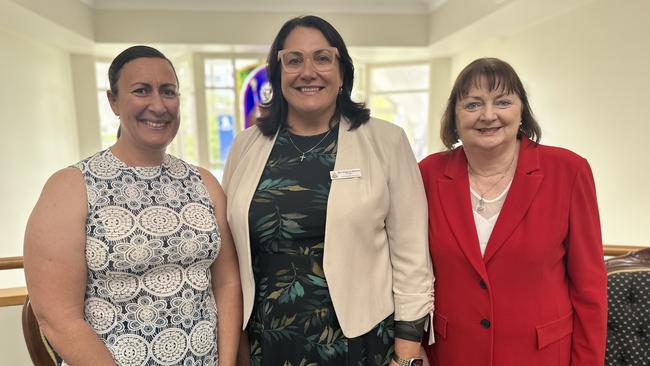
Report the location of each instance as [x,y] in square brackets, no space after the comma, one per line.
[13,351]
[586,72]
[37,119]
[39,136]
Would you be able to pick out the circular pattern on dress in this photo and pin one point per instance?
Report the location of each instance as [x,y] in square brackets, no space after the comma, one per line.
[176,168]
[131,192]
[101,167]
[169,346]
[91,194]
[198,217]
[197,275]
[122,286]
[118,222]
[169,192]
[164,280]
[200,189]
[130,350]
[202,338]
[100,314]
[147,172]
[158,220]
[96,254]
[139,250]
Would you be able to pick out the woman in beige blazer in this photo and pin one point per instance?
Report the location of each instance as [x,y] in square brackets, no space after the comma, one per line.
[328,213]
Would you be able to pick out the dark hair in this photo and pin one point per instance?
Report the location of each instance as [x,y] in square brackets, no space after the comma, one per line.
[129,55]
[499,75]
[274,113]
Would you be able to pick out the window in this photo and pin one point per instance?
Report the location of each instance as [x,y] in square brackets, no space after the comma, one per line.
[109,122]
[400,94]
[223,81]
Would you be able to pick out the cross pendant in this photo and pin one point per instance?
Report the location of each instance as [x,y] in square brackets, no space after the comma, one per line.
[302,157]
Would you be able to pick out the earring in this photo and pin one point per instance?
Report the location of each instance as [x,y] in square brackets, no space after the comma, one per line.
[340,89]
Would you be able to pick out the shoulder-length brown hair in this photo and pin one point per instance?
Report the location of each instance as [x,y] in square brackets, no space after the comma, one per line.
[498,75]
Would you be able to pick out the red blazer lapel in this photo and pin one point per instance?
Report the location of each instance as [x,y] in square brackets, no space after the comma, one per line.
[525,185]
[457,207]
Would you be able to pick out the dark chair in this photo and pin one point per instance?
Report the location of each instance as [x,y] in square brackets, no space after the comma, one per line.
[39,349]
[628,324]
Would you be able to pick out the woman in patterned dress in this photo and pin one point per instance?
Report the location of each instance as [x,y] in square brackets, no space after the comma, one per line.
[328,215]
[128,255]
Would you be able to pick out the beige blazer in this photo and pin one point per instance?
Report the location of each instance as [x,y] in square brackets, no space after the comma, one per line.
[376,258]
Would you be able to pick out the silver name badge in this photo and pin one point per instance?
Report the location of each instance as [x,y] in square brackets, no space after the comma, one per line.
[345,174]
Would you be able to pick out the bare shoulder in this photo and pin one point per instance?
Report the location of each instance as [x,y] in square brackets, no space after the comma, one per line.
[211,182]
[65,186]
[56,226]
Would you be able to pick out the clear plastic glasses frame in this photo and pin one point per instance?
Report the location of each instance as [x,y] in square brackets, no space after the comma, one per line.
[294,61]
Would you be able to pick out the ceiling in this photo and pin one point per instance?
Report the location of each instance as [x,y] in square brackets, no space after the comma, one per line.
[298,6]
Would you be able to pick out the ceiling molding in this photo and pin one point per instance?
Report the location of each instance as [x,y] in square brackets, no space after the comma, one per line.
[277,6]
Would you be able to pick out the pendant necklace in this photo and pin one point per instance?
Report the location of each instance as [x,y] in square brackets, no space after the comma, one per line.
[302,153]
[480,207]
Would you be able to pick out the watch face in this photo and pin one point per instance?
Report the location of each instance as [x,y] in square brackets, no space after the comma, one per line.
[417,362]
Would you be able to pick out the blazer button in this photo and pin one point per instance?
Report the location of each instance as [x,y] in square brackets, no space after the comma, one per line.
[485,323]
[483,285]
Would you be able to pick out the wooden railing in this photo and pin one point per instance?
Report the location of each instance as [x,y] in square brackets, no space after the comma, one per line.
[11,263]
[16,295]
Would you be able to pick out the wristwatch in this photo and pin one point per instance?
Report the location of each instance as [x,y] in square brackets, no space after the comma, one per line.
[407,362]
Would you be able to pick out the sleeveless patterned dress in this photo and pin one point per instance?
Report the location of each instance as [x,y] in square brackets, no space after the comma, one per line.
[151,236]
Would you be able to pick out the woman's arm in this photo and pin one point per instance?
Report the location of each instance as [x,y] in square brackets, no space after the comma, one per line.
[225,279]
[55,269]
[587,274]
[406,226]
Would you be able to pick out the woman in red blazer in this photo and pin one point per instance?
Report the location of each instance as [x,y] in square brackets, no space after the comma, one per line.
[514,235]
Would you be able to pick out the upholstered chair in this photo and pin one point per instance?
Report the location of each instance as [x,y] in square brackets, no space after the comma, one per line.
[628,324]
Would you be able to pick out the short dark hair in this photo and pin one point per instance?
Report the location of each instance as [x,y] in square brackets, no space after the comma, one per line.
[129,55]
[499,75]
[274,113]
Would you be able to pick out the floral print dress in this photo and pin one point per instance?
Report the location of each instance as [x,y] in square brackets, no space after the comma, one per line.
[293,321]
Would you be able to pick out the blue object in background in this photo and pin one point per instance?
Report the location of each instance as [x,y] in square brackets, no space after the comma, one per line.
[255,90]
[226,124]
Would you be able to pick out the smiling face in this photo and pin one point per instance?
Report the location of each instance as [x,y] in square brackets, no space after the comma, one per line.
[147,103]
[488,119]
[310,94]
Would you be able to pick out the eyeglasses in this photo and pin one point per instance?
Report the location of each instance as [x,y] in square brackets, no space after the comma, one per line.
[293,61]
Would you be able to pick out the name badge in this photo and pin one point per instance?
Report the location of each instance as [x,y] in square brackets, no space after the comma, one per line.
[345,174]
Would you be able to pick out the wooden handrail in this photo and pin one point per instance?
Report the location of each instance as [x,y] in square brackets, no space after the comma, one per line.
[16,296]
[11,263]
[12,296]
[610,250]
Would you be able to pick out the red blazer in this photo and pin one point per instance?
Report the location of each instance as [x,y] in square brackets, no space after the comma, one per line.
[538,297]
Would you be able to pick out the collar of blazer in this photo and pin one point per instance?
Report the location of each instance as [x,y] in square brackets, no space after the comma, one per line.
[456,202]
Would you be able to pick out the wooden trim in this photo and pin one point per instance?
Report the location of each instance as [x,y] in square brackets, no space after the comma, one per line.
[12,296]
[11,263]
[16,295]
[616,250]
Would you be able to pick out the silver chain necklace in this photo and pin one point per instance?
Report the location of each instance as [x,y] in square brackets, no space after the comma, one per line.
[302,153]
[480,207]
